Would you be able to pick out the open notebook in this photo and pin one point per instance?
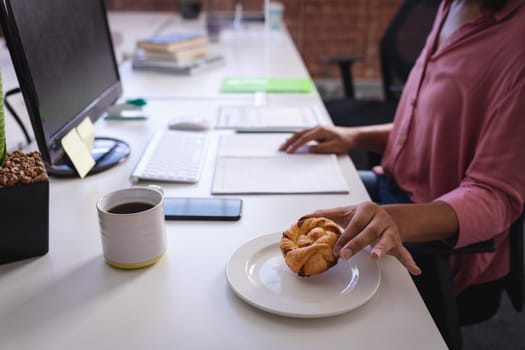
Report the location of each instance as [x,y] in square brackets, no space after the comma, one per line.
[251,164]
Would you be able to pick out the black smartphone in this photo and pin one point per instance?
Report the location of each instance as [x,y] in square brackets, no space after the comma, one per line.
[184,208]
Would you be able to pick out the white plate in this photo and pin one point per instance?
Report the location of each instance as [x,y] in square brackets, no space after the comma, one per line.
[258,274]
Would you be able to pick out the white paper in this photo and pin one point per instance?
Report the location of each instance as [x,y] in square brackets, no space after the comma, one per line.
[86,131]
[78,152]
[253,164]
[266,118]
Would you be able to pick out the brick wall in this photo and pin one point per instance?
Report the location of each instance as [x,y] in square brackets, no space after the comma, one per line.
[318,27]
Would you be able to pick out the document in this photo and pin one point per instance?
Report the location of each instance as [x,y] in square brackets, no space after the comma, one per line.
[252,164]
[266,118]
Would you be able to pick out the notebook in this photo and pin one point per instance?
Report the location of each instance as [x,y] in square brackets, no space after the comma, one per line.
[266,118]
[276,85]
[198,65]
[252,164]
[172,42]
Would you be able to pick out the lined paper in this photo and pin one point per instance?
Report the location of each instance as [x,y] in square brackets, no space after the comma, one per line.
[251,164]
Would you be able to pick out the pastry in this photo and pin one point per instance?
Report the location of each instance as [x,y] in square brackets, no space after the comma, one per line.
[307,246]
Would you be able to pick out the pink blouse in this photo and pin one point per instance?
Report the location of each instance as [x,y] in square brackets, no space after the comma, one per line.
[459,133]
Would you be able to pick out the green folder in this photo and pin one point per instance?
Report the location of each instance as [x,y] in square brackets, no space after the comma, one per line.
[276,85]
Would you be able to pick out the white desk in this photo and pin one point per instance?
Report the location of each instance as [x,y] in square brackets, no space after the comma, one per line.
[70,299]
[248,52]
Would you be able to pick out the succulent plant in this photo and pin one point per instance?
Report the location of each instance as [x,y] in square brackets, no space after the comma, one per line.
[3,146]
[17,167]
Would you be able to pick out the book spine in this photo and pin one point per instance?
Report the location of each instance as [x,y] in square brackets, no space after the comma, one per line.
[171,47]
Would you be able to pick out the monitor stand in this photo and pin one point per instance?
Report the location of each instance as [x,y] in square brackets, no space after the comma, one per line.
[106,151]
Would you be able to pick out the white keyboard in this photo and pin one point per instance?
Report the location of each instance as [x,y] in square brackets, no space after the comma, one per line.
[266,118]
[172,156]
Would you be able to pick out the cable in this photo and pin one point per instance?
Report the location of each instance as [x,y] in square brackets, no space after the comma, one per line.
[14,114]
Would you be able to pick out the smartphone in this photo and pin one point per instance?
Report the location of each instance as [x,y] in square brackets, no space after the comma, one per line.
[184,208]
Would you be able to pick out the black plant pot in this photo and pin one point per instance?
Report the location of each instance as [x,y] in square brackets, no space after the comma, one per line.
[24,221]
[190,9]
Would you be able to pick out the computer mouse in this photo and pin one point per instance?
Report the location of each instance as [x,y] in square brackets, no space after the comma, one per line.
[189,124]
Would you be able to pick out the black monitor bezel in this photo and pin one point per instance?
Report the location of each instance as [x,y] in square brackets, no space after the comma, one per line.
[50,146]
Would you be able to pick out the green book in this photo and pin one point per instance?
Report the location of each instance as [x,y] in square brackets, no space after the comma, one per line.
[276,85]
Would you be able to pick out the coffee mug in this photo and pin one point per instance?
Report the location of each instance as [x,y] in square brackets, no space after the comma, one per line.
[132,226]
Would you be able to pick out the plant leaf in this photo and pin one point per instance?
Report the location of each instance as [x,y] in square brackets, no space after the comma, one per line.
[3,146]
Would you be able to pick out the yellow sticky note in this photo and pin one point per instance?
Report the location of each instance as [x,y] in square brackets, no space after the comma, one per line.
[78,152]
[86,130]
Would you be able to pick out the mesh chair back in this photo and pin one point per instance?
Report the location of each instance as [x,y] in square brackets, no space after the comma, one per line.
[403,41]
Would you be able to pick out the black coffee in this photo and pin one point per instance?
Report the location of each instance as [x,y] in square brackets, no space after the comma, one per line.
[130,208]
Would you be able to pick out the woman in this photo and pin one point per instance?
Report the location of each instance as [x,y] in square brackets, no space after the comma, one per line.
[454,148]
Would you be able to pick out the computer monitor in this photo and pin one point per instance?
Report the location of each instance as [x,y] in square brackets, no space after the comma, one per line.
[63,56]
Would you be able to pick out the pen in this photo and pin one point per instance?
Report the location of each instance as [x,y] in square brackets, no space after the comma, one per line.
[262,131]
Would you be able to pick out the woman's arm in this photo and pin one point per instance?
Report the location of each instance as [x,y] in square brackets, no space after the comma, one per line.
[424,222]
[374,137]
[385,228]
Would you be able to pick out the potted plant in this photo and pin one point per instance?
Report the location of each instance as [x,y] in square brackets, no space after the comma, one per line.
[24,201]
[189,9]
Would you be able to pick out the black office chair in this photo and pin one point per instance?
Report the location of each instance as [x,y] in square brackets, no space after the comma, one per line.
[476,304]
[400,46]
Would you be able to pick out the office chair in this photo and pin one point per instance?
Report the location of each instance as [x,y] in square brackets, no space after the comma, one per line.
[476,304]
[400,46]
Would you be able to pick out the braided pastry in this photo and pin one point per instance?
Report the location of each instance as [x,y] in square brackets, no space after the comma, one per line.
[307,246]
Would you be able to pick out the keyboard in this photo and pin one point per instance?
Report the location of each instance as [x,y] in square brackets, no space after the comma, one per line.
[267,118]
[172,156]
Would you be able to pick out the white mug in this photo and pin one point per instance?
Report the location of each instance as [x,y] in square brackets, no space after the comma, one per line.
[132,227]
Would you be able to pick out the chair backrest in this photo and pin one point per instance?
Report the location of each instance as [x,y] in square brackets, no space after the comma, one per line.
[515,282]
[482,301]
[403,41]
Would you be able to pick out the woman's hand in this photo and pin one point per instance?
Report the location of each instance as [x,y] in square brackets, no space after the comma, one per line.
[368,224]
[336,139]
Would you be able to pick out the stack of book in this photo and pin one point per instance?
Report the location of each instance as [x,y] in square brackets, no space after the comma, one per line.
[181,53]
